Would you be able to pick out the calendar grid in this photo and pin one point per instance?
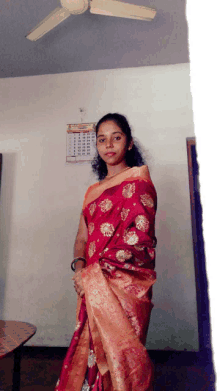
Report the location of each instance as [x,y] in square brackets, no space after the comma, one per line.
[80,145]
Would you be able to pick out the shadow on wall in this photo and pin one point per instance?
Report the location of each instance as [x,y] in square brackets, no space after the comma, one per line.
[171,333]
[174,324]
[6,197]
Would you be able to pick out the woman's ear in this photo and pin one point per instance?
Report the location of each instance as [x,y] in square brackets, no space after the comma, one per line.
[131,145]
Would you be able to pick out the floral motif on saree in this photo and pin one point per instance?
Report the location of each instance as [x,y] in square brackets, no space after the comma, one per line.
[91,228]
[128,190]
[91,359]
[124,213]
[92,208]
[107,229]
[123,255]
[130,237]
[142,223]
[105,205]
[147,200]
[91,249]
[114,314]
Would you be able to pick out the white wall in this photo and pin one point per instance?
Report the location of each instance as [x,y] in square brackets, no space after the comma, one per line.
[42,195]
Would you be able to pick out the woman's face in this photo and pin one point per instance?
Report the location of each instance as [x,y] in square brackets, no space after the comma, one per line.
[111,143]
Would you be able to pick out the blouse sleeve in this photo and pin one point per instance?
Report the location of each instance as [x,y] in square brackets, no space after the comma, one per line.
[90,188]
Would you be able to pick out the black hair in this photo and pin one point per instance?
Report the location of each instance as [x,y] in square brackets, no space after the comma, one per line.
[133,157]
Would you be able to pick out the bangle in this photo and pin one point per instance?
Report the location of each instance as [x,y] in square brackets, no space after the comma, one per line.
[75,261]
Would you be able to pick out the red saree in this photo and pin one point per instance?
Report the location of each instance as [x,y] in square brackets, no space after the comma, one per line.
[107,350]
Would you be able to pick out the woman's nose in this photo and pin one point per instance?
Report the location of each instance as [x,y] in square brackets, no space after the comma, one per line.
[108,143]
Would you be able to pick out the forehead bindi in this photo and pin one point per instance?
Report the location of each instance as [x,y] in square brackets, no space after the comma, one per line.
[109,128]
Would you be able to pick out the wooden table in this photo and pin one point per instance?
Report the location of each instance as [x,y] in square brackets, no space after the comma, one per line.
[13,336]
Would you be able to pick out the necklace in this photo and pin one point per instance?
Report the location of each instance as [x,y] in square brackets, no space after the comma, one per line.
[111,176]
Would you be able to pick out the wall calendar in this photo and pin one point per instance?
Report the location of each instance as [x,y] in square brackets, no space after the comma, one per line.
[80,143]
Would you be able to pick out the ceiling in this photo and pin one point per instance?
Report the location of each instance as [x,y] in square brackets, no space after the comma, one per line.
[90,42]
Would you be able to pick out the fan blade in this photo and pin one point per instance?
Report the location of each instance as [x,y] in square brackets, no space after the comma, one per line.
[121,10]
[52,20]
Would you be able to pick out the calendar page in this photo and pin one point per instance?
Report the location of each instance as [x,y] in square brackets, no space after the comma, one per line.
[81,140]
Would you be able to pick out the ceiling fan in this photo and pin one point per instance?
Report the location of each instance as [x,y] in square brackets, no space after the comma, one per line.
[101,7]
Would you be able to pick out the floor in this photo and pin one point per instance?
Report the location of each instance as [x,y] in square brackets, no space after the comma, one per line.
[176,371]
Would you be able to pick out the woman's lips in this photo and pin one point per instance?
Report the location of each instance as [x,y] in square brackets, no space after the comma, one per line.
[110,154]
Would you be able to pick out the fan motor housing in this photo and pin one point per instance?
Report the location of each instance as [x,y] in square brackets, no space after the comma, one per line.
[75,6]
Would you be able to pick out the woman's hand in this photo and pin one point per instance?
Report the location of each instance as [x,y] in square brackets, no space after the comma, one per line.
[78,283]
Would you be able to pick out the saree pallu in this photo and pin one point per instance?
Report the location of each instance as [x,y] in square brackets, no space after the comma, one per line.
[107,351]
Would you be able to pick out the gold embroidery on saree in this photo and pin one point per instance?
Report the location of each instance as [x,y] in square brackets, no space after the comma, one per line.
[92,208]
[142,223]
[123,255]
[136,325]
[139,248]
[128,190]
[104,251]
[91,359]
[146,200]
[130,237]
[106,205]
[124,214]
[107,229]
[91,227]
[92,248]
[85,386]
[151,252]
[77,325]
[95,298]
[108,267]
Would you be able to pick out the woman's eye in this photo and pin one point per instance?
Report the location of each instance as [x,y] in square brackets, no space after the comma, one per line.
[118,138]
[101,140]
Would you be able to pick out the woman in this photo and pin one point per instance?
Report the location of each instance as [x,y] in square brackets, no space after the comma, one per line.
[114,261]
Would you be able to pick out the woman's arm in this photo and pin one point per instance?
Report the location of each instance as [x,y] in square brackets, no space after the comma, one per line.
[80,243]
[80,251]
